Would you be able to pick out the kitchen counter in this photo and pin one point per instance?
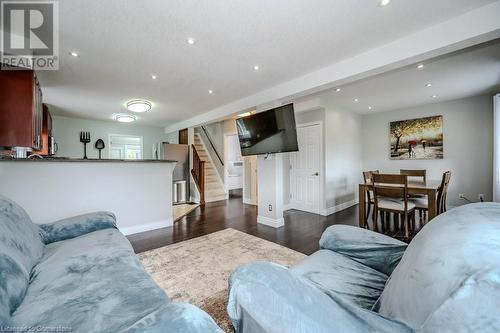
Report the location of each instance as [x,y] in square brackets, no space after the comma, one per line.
[138,192]
[64,159]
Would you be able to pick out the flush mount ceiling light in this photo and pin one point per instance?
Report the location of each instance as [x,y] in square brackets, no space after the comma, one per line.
[434,96]
[369,108]
[210,91]
[139,105]
[74,54]
[356,100]
[154,77]
[338,90]
[383,3]
[125,118]
[191,41]
[256,67]
[420,66]
[428,85]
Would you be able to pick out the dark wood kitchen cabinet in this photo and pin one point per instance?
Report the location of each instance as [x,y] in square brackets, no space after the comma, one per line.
[21,109]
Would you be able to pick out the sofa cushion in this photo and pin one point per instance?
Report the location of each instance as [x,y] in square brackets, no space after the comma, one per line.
[20,249]
[450,257]
[92,283]
[341,275]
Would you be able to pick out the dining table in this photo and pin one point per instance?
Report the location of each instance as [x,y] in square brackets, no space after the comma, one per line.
[417,187]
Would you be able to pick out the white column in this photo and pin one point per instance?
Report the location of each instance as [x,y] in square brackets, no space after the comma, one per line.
[270,180]
[496,148]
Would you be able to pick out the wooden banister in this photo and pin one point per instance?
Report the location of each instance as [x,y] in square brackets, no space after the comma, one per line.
[198,172]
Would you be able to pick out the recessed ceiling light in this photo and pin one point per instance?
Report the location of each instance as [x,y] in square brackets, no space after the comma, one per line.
[369,108]
[420,66]
[338,90]
[74,54]
[356,100]
[210,91]
[154,77]
[428,85]
[256,67]
[191,41]
[434,96]
[125,118]
[138,105]
[383,3]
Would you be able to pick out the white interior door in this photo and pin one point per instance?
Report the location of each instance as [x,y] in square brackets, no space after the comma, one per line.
[305,168]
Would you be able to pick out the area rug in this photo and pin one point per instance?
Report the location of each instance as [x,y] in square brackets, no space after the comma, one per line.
[179,211]
[196,271]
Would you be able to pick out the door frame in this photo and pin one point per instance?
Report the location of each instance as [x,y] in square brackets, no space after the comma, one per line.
[322,170]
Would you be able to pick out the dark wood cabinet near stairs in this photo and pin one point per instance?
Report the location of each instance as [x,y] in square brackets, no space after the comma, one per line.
[21,110]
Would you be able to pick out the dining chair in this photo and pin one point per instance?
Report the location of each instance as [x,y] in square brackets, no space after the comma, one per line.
[391,196]
[368,178]
[415,173]
[421,175]
[422,204]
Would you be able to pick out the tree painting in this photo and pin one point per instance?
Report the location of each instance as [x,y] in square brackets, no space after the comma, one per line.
[420,138]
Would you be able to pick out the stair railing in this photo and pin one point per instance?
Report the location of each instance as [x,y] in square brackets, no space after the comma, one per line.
[212,145]
[198,173]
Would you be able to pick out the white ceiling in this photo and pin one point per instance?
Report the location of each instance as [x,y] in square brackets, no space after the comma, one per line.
[467,73]
[123,42]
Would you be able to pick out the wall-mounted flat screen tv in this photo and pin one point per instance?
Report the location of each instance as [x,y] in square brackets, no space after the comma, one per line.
[268,132]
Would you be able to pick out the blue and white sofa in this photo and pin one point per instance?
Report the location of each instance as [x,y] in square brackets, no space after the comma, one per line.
[81,275]
[446,280]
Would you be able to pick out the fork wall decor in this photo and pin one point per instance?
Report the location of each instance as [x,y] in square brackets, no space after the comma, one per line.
[85,138]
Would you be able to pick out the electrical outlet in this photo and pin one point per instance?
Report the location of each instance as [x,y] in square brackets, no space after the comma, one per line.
[461,196]
[480,196]
[270,208]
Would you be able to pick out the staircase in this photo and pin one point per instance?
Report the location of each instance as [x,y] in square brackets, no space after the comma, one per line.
[214,188]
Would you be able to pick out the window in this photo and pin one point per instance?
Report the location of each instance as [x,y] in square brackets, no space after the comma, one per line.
[125,147]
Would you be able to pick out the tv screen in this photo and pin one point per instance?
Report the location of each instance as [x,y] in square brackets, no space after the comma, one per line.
[267,132]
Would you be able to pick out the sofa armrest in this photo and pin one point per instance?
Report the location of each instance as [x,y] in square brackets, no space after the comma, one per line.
[76,226]
[265,297]
[372,249]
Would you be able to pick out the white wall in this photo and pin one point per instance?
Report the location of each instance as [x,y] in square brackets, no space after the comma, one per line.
[172,137]
[343,156]
[341,153]
[468,145]
[138,193]
[67,134]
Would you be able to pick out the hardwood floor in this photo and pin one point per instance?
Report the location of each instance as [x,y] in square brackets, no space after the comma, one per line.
[301,232]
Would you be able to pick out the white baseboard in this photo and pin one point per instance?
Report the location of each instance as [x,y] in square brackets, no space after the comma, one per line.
[287,206]
[271,222]
[146,227]
[248,201]
[338,208]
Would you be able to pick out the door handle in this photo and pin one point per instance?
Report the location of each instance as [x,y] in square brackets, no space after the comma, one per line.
[316,174]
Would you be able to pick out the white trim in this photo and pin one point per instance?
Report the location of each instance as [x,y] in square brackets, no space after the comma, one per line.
[287,206]
[338,208]
[271,222]
[322,170]
[496,148]
[248,201]
[146,227]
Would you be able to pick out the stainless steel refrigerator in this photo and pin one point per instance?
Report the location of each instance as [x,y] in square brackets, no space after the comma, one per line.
[179,153]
